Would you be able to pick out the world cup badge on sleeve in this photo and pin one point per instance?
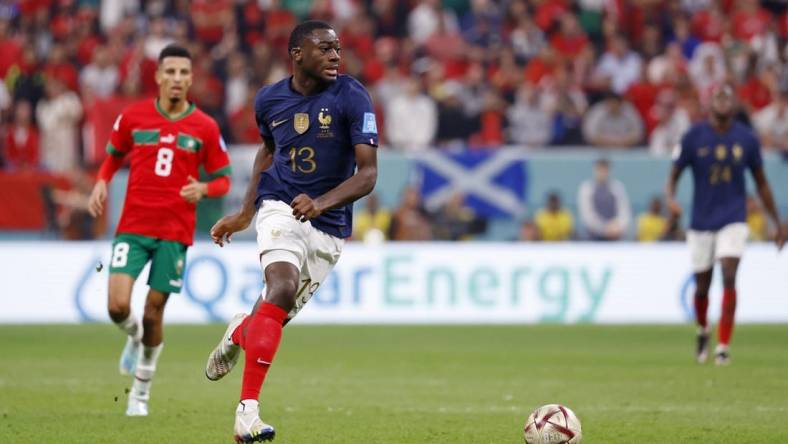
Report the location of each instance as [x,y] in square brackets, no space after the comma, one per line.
[301,122]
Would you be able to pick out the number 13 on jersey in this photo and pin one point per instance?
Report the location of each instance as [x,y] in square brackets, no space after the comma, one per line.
[303,159]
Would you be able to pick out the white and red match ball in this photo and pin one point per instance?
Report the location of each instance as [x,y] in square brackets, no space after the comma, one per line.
[553,424]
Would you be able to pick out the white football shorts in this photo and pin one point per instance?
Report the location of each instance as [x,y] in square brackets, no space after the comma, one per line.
[708,246]
[282,238]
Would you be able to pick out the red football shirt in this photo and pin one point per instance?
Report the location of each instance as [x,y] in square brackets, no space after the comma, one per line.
[163,153]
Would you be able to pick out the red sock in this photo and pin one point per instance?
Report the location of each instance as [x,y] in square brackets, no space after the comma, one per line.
[238,335]
[728,312]
[261,342]
[701,307]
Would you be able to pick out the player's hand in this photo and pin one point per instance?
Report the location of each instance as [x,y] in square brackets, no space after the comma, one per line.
[305,208]
[674,207]
[97,198]
[222,231]
[193,191]
[779,239]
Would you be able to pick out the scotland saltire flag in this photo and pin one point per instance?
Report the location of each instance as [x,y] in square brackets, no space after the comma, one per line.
[493,181]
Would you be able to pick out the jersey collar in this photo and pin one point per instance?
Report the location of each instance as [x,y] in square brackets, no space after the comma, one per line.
[176,118]
[292,90]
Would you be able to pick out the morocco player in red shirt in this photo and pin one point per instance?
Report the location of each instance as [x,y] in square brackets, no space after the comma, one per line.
[166,139]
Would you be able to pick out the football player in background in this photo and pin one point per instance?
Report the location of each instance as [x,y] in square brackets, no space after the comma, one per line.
[166,140]
[719,151]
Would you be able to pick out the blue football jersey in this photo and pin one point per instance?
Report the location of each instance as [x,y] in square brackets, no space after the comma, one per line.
[719,162]
[314,138]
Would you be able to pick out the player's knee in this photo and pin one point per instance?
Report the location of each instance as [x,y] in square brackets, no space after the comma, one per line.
[118,311]
[282,293]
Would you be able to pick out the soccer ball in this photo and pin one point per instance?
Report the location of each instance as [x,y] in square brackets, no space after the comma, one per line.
[553,424]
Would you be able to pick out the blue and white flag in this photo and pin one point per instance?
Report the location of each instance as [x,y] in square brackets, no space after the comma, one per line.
[493,181]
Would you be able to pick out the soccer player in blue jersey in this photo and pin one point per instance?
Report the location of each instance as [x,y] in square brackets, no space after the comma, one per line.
[318,157]
[719,152]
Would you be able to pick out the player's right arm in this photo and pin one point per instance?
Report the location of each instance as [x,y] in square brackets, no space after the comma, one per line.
[681,158]
[120,142]
[755,163]
[223,230]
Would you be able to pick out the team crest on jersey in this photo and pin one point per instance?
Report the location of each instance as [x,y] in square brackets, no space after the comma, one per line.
[738,152]
[721,152]
[301,122]
[324,118]
[325,124]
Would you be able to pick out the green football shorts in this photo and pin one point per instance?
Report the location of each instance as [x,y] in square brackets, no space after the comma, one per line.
[130,253]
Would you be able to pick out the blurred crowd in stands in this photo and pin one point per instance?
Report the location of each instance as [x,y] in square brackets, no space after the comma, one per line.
[603,207]
[614,74]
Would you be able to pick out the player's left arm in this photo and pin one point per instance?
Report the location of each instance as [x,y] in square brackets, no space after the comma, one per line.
[755,164]
[217,165]
[352,189]
[765,192]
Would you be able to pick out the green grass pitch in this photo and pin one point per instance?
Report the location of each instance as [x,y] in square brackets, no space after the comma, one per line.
[403,384]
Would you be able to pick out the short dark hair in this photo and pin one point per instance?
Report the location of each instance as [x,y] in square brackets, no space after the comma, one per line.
[174,51]
[302,31]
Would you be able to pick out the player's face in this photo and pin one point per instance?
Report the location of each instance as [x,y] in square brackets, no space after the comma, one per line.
[601,172]
[174,77]
[722,102]
[318,55]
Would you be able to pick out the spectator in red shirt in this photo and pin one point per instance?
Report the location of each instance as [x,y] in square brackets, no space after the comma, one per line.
[549,12]
[541,67]
[211,18]
[492,122]
[754,93]
[21,139]
[710,24]
[570,40]
[643,95]
[207,90]
[10,48]
[243,128]
[446,43]
[278,24]
[60,67]
[750,20]
[507,75]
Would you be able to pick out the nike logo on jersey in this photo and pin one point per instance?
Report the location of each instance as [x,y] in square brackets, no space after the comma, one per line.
[276,123]
[260,361]
[169,138]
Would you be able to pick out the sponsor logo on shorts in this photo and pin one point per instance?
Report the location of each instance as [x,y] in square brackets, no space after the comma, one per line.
[176,283]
